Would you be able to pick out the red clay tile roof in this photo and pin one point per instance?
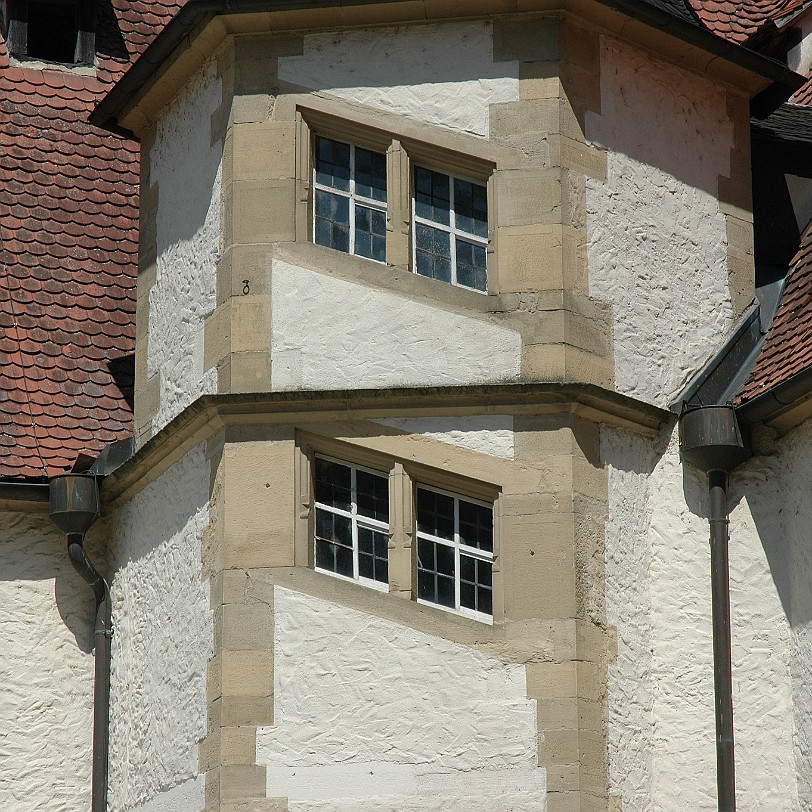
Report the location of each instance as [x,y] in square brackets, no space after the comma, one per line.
[739,21]
[68,253]
[787,349]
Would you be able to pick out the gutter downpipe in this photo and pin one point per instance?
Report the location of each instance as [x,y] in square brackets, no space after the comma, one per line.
[74,507]
[711,439]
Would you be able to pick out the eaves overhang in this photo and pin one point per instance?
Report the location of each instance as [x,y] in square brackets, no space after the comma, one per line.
[192,18]
[210,414]
[778,402]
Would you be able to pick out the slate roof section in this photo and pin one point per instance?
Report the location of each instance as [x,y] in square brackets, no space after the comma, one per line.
[740,21]
[68,254]
[790,122]
[787,350]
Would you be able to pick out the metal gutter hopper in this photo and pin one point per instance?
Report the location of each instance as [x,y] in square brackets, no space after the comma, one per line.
[711,438]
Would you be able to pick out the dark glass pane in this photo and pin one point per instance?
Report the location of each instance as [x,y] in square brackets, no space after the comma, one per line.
[332,222]
[445,591]
[471,270]
[484,573]
[332,527]
[484,600]
[333,163]
[370,233]
[435,514]
[476,525]
[325,555]
[373,495]
[467,595]
[344,561]
[373,555]
[475,584]
[370,174]
[471,207]
[334,558]
[445,560]
[433,252]
[52,30]
[333,484]
[426,586]
[432,198]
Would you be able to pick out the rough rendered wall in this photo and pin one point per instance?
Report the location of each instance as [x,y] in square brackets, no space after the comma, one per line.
[162,643]
[186,167]
[488,434]
[439,74]
[367,709]
[661,717]
[773,489]
[333,334]
[46,671]
[656,238]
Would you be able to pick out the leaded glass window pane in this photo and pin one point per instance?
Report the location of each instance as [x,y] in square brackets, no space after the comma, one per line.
[454,552]
[349,211]
[351,521]
[450,229]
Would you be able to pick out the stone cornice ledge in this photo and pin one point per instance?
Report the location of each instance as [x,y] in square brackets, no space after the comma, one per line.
[210,413]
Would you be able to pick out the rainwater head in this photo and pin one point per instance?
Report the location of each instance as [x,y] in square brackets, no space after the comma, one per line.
[74,503]
[711,438]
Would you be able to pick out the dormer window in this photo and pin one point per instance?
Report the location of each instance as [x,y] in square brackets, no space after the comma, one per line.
[51,30]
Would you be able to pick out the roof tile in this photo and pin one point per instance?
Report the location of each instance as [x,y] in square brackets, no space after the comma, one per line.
[68,248]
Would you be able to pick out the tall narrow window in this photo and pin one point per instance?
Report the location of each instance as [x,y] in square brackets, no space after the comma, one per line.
[454,552]
[352,522]
[350,199]
[450,229]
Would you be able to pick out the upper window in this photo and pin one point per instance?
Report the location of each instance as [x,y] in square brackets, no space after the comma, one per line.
[51,30]
[450,229]
[352,522]
[350,199]
[447,216]
[454,552]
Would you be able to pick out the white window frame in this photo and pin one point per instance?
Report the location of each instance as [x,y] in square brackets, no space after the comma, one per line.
[451,228]
[355,520]
[458,547]
[351,195]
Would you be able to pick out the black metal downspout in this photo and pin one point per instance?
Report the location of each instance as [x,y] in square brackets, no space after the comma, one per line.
[722,670]
[74,507]
[711,439]
[101,683]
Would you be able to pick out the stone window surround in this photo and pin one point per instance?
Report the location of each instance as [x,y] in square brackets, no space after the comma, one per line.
[405,146]
[404,478]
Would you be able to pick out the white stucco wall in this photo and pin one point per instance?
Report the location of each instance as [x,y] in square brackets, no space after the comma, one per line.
[656,239]
[440,74]
[332,334]
[186,167]
[162,642]
[46,670]
[488,434]
[369,713]
[661,711]
[799,58]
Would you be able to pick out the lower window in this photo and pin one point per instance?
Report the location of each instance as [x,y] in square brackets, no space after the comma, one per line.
[453,545]
[352,522]
[454,552]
